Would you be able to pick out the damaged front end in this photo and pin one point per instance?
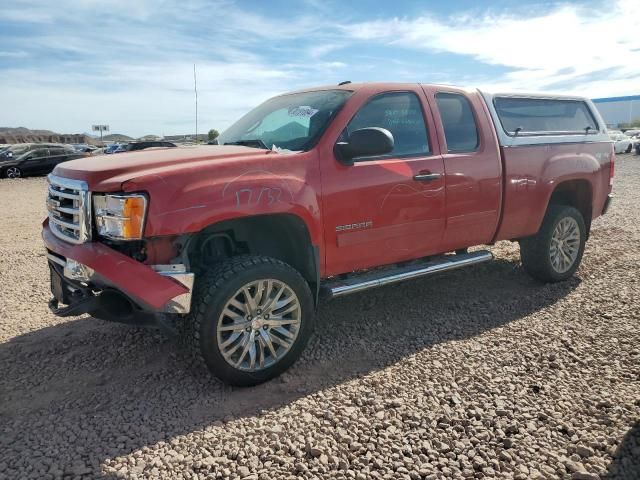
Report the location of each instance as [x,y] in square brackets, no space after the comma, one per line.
[109,279]
[77,289]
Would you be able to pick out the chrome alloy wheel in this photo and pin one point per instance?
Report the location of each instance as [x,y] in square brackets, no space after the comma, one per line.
[565,244]
[259,325]
[13,172]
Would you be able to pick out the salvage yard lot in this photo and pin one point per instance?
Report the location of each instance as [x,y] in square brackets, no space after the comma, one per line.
[476,373]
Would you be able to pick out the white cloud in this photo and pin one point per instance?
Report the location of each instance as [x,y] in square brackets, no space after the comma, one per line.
[130,64]
[575,41]
[13,54]
[140,99]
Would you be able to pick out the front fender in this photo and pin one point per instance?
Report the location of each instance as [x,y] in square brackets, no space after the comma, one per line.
[189,200]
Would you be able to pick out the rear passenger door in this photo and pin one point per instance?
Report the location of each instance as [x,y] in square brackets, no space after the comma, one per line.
[56,155]
[472,164]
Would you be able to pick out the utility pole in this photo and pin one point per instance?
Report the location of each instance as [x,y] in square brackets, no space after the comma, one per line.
[195,89]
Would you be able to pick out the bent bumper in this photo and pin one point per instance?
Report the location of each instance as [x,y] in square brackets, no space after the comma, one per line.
[110,270]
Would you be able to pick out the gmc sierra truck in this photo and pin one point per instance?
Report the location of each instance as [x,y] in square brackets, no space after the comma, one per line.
[317,194]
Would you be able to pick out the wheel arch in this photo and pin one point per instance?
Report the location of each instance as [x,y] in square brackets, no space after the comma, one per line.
[577,193]
[283,236]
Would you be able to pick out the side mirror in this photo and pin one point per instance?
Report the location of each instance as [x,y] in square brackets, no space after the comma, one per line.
[364,142]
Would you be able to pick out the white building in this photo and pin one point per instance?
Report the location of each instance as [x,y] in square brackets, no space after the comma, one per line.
[616,110]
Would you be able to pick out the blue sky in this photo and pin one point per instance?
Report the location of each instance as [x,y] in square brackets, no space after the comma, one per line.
[68,64]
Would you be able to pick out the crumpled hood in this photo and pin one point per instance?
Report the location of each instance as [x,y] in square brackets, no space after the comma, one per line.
[107,173]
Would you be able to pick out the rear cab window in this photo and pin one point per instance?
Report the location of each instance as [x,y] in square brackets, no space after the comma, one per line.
[458,122]
[523,116]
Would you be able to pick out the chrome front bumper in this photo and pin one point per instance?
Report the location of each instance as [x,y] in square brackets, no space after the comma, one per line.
[93,265]
[85,276]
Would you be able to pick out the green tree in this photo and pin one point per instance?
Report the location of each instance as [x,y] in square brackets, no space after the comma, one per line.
[213,134]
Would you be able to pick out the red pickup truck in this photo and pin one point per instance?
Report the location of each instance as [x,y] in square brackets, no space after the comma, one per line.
[321,193]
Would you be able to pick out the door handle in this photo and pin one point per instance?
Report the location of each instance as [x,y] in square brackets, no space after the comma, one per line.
[426,177]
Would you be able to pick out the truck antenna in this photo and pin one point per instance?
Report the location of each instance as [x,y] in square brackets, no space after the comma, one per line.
[195,89]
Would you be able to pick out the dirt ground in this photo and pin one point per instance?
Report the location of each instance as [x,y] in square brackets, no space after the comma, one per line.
[478,373]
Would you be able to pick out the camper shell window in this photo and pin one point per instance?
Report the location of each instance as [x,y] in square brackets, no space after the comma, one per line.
[522,116]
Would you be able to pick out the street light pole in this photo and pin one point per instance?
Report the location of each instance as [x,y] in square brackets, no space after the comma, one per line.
[100,128]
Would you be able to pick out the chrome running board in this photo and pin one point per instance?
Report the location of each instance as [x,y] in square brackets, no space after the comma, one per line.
[386,276]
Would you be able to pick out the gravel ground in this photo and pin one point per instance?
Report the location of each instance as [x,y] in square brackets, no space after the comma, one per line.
[478,373]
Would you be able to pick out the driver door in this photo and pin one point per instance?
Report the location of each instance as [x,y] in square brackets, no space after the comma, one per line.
[387,208]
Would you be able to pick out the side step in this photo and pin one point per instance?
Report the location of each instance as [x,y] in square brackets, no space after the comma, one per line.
[387,276]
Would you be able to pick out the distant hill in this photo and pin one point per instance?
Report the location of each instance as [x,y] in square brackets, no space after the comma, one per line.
[26,135]
[24,131]
[116,137]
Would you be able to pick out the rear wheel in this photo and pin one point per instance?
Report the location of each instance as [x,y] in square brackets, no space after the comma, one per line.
[555,252]
[13,172]
[251,319]
[629,148]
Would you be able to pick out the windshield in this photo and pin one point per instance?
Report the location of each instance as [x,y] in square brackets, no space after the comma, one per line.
[291,122]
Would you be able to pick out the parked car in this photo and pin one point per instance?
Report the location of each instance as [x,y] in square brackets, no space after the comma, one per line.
[112,148]
[621,142]
[121,148]
[83,147]
[133,146]
[319,194]
[18,149]
[36,161]
[632,132]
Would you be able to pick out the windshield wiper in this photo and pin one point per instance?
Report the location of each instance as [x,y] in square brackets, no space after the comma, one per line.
[255,143]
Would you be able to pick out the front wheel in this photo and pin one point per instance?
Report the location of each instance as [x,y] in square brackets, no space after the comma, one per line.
[13,172]
[251,319]
[628,150]
[555,252]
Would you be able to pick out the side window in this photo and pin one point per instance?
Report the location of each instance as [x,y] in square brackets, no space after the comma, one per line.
[542,116]
[460,130]
[39,154]
[401,114]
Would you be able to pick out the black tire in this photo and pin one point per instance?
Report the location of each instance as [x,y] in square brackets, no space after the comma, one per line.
[535,250]
[212,292]
[629,148]
[15,172]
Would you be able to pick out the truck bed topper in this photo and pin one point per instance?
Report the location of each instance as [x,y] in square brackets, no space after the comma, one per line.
[512,113]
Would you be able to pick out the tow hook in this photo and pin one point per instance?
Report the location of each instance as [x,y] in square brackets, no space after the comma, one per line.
[78,308]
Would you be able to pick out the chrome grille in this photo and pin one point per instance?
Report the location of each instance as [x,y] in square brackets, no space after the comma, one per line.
[69,206]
